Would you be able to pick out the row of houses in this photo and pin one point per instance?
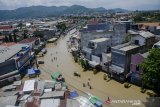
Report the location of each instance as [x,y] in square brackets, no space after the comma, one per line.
[102,46]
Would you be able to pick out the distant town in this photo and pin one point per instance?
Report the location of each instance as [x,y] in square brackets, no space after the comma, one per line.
[89,58]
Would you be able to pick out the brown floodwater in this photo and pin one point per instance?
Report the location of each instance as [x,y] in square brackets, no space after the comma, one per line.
[59,59]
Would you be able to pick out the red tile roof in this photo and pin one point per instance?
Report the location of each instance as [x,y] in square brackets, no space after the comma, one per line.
[28,40]
[8,44]
[2,37]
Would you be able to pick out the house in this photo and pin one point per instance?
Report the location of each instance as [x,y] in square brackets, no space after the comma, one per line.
[153,27]
[32,42]
[115,31]
[144,39]
[156,45]
[6,29]
[2,38]
[121,58]
[35,44]
[135,68]
[13,62]
[93,52]
[106,61]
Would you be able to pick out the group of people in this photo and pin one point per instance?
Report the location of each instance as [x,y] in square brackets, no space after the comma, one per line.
[54,59]
[88,84]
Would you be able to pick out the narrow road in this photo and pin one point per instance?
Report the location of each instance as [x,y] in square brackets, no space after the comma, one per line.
[59,59]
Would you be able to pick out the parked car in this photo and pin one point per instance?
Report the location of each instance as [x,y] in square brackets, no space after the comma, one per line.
[44,51]
[40,62]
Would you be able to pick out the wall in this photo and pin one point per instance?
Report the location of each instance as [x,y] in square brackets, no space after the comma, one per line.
[7,67]
[139,38]
[136,60]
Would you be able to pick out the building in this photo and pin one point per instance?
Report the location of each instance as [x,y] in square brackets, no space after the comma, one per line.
[144,39]
[2,38]
[115,31]
[121,58]
[13,61]
[93,52]
[153,27]
[6,29]
[106,61]
[157,45]
[35,44]
[135,68]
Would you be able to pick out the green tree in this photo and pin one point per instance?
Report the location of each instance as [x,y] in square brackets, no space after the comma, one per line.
[25,34]
[15,37]
[151,70]
[6,39]
[61,27]
[39,34]
[10,38]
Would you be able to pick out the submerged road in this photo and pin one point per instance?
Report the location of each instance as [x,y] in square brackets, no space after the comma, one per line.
[59,59]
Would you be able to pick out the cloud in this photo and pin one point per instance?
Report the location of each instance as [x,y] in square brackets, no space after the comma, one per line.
[126,4]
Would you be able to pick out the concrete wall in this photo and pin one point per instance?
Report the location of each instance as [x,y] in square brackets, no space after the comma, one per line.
[7,67]
[139,38]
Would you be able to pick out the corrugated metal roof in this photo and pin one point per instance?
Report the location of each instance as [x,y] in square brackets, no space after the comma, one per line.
[8,93]
[146,34]
[10,100]
[28,85]
[50,103]
[72,103]
[53,94]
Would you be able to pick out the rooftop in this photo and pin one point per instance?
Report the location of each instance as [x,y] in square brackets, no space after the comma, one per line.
[28,40]
[146,34]
[100,40]
[150,24]
[129,47]
[125,47]
[145,55]
[8,52]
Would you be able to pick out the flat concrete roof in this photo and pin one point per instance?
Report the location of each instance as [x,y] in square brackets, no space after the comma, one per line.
[100,40]
[8,52]
[129,47]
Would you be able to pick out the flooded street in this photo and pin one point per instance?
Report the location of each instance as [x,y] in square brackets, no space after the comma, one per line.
[59,59]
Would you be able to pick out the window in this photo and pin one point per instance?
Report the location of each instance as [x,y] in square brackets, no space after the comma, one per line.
[136,42]
[137,67]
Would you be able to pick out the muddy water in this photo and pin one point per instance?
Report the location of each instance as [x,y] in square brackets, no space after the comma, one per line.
[58,58]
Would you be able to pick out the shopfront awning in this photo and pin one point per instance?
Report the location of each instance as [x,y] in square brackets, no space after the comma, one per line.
[116,69]
[93,63]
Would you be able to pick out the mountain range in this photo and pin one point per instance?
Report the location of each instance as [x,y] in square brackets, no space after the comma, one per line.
[44,11]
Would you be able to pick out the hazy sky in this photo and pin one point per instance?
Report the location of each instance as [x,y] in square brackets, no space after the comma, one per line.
[108,4]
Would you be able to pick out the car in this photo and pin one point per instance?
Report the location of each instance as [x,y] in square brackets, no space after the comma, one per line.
[40,62]
[44,51]
[76,74]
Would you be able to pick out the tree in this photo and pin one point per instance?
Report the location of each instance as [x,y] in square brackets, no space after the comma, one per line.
[10,38]
[151,70]
[25,34]
[15,38]
[61,26]
[39,34]
[6,39]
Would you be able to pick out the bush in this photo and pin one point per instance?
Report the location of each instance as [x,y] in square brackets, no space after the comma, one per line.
[95,71]
[143,90]
[127,85]
[105,76]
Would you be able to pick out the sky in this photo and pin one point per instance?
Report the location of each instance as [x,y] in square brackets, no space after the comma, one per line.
[108,4]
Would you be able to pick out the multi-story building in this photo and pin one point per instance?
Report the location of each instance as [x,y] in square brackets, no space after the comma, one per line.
[144,39]
[135,68]
[121,58]
[121,55]
[13,61]
[93,52]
